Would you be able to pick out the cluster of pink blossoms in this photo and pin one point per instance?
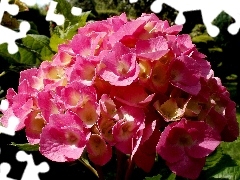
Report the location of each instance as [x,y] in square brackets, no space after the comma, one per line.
[137,86]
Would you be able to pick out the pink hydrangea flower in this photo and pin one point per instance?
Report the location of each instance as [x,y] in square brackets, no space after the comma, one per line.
[185,144]
[99,152]
[114,86]
[127,129]
[64,138]
[34,124]
[119,67]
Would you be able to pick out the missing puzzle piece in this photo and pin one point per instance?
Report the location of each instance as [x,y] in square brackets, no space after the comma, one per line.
[12,9]
[59,18]
[4,170]
[13,121]
[210,10]
[31,171]
[7,35]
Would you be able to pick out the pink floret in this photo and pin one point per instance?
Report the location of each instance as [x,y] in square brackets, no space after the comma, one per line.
[64,138]
[99,152]
[184,143]
[119,67]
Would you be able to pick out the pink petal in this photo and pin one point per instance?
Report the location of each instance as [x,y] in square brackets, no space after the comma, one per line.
[146,152]
[140,99]
[98,151]
[119,71]
[34,124]
[55,145]
[187,167]
[152,49]
[47,105]
[169,150]
[63,138]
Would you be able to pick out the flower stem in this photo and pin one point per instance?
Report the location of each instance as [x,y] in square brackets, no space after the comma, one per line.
[121,165]
[129,169]
[100,173]
[86,163]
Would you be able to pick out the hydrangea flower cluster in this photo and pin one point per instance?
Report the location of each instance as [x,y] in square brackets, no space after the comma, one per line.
[136,86]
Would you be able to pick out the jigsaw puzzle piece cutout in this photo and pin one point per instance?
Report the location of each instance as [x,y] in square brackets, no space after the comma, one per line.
[156,6]
[10,36]
[133,1]
[31,171]
[4,170]
[12,123]
[59,18]
[4,105]
[232,8]
[51,16]
[12,9]
[76,11]
[209,12]
[180,6]
[209,9]
[7,35]
[234,27]
[208,16]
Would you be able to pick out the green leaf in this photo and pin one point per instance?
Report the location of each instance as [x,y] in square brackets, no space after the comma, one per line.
[64,8]
[230,173]
[23,56]
[157,177]
[204,38]
[63,33]
[55,40]
[172,177]
[38,44]
[213,159]
[225,168]
[26,147]
[232,148]
[33,29]
[72,29]
[32,50]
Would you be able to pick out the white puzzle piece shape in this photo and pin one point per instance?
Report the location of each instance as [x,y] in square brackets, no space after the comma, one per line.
[4,170]
[51,16]
[31,171]
[7,35]
[210,10]
[12,122]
